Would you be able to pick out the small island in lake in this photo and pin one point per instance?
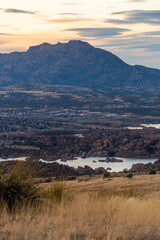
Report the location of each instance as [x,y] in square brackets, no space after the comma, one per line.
[108,160]
[108,168]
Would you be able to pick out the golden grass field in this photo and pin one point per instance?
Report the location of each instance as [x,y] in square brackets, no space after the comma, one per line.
[90,208]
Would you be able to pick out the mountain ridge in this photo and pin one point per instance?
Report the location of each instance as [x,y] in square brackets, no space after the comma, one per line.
[75,63]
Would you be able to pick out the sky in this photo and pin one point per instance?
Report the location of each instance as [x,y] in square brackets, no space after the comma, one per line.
[128,28]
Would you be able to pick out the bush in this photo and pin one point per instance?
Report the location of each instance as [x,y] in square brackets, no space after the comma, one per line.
[48,180]
[152,172]
[107,175]
[71,178]
[130,175]
[125,170]
[17,188]
[58,193]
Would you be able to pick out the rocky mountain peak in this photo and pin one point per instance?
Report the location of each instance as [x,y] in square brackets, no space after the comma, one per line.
[75,63]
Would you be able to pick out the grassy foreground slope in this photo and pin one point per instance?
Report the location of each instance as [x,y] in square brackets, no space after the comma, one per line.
[88,208]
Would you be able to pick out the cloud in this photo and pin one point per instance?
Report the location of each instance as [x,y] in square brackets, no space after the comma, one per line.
[139,42]
[153,33]
[98,32]
[152,47]
[137,16]
[68,20]
[69,14]
[117,21]
[137,1]
[5,25]
[69,4]
[14,10]
[5,34]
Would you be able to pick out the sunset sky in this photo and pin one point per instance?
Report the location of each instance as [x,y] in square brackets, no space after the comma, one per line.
[128,28]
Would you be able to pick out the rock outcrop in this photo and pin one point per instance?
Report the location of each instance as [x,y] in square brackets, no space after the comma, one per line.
[53,169]
[140,167]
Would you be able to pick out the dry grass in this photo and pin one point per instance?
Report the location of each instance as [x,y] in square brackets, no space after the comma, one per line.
[105,213]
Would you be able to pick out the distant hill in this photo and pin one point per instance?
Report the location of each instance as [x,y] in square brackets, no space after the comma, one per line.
[75,63]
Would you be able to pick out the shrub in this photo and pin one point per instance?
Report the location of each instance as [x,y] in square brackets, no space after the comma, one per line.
[71,178]
[125,170]
[107,175]
[152,172]
[48,180]
[55,192]
[17,188]
[130,175]
[58,193]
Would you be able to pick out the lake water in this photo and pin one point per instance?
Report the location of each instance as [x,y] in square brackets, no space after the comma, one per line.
[115,166]
[13,159]
[157,126]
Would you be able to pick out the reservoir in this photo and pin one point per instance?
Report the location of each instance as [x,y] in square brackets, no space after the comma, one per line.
[93,162]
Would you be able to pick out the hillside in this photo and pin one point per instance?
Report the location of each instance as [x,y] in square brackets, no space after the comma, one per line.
[87,208]
[75,63]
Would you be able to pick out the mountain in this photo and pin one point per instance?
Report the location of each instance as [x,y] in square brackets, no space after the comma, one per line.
[75,63]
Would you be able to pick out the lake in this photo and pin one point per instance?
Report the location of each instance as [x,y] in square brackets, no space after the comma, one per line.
[115,166]
[157,126]
[13,159]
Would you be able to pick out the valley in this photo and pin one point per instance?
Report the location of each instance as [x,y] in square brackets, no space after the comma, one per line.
[66,122]
[82,102]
